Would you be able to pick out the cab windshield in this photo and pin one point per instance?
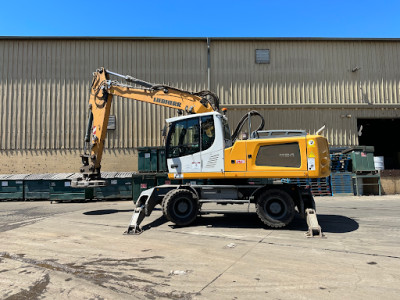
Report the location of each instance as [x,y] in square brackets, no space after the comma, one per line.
[183,138]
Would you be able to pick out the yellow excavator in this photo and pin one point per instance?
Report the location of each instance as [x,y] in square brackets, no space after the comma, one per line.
[199,145]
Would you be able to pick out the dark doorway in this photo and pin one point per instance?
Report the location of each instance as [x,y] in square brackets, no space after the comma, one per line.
[383,134]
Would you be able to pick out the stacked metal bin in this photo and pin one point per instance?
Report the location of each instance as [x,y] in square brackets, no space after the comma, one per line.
[340,163]
[124,181]
[12,187]
[342,183]
[57,187]
[148,159]
[341,174]
[61,191]
[141,182]
[119,186]
[362,159]
[161,160]
[152,167]
[37,187]
[353,172]
[152,159]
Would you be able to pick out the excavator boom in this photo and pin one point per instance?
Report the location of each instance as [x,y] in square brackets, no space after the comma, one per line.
[101,94]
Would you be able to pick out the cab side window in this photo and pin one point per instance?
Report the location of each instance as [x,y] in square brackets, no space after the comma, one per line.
[207,132]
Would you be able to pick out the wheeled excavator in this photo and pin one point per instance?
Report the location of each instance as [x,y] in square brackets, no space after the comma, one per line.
[199,145]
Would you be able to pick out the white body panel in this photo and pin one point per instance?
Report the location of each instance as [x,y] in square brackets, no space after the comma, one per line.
[209,160]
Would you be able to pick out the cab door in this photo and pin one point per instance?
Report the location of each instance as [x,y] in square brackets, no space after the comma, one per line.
[183,147]
[211,144]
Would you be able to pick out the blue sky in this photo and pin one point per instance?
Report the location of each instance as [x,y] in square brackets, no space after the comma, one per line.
[155,18]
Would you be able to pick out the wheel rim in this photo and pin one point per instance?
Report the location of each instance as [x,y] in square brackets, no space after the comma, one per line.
[183,207]
[276,208]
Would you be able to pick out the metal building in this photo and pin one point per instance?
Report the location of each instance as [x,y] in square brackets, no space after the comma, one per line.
[352,86]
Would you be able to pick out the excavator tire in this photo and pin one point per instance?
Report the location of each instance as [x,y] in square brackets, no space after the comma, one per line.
[162,207]
[180,206]
[275,208]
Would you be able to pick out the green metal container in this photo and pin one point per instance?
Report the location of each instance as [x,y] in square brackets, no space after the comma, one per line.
[125,185]
[12,187]
[142,182]
[147,159]
[162,178]
[362,159]
[162,159]
[61,190]
[142,156]
[5,190]
[119,186]
[37,187]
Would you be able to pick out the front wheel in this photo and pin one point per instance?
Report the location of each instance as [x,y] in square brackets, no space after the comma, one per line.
[275,208]
[180,206]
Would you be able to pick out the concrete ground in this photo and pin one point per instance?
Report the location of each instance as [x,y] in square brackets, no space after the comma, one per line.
[78,251]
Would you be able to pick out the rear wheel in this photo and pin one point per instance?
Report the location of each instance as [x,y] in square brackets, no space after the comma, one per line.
[275,208]
[180,206]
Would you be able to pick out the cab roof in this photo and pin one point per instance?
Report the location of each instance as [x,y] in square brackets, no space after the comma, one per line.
[174,119]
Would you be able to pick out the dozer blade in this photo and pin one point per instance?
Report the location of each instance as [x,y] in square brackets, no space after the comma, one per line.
[313,226]
[81,183]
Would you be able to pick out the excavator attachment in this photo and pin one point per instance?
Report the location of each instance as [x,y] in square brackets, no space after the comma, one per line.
[82,183]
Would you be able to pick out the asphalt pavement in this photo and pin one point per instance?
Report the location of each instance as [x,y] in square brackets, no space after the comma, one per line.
[79,251]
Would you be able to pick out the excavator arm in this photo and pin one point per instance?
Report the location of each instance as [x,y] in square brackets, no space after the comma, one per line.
[101,94]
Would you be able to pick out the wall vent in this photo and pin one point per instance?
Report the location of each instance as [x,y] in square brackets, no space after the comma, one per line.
[112,123]
[262,56]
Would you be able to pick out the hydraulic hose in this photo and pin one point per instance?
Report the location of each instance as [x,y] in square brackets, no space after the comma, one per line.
[243,121]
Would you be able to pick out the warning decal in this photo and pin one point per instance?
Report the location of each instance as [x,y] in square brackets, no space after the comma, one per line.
[311,164]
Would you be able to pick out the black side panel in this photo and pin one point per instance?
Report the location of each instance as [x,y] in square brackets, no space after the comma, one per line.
[283,155]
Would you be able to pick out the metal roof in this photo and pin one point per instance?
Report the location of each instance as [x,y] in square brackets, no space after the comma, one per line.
[125,174]
[46,176]
[196,38]
[62,176]
[108,174]
[18,176]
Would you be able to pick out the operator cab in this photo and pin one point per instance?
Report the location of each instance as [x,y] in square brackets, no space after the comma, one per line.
[195,143]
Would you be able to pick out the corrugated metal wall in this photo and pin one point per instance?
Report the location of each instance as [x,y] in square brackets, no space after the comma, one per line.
[44,85]
[307,72]
[44,88]
[341,123]
[309,83]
